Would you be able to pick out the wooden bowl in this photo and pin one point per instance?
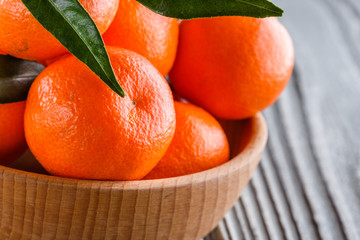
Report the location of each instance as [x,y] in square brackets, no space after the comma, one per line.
[38,206]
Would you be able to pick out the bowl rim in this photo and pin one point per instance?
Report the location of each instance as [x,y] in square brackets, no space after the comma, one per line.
[253,149]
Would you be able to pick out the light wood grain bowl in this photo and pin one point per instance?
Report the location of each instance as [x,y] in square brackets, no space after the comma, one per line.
[38,206]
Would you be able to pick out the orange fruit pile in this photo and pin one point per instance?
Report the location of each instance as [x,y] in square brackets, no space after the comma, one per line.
[76,126]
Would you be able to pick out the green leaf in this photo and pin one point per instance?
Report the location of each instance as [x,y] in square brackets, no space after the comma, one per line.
[71,24]
[16,77]
[188,9]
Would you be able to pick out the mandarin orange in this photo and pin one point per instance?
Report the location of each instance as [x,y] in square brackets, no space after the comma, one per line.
[22,36]
[12,137]
[77,127]
[232,66]
[139,29]
[199,144]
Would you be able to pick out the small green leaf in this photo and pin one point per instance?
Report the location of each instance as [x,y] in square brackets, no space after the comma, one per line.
[69,22]
[16,77]
[188,9]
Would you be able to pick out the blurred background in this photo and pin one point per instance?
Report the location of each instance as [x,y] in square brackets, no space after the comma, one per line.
[308,183]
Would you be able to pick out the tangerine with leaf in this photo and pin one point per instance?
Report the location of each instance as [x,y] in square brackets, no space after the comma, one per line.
[77,127]
[16,77]
[22,36]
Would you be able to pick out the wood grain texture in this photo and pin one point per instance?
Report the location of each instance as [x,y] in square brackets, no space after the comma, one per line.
[308,183]
[38,206]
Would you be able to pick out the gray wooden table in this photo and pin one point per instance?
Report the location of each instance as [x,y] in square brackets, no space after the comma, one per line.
[308,183]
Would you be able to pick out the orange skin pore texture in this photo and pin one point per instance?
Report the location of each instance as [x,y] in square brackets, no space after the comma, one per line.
[12,137]
[199,144]
[233,67]
[139,29]
[76,126]
[23,37]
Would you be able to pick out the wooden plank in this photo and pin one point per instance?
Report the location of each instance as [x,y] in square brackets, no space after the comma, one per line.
[308,184]
[329,89]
